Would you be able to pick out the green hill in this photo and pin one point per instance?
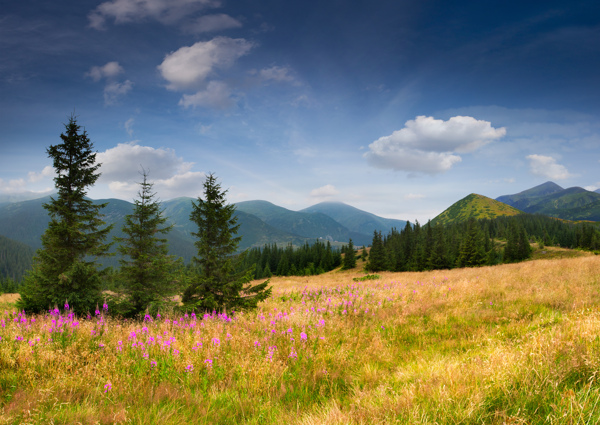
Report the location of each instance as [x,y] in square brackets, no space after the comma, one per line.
[526,198]
[15,258]
[476,206]
[354,219]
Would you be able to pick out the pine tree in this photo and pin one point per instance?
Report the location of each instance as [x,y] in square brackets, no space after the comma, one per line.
[349,257]
[65,267]
[377,257]
[216,286]
[146,273]
[472,251]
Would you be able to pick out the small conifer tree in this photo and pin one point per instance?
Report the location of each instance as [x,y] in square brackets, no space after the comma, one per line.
[146,266]
[217,286]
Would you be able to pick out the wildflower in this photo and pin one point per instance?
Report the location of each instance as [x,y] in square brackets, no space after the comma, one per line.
[303,336]
[105,306]
[175,352]
[208,362]
[256,344]
[189,368]
[101,345]
[216,341]
[107,387]
[153,364]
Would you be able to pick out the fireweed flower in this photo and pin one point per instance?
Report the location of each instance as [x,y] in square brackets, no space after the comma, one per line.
[189,368]
[107,387]
[208,362]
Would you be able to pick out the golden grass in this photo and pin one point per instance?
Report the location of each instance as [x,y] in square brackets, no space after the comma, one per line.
[516,343]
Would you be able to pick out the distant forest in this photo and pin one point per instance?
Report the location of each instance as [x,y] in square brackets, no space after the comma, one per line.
[476,242]
[416,247]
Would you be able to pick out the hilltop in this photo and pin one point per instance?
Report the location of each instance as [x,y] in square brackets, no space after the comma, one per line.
[474,206]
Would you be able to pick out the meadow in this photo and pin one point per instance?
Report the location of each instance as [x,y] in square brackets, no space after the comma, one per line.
[509,344]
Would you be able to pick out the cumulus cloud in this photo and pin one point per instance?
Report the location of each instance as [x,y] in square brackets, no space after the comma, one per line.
[48,171]
[190,66]
[427,145]
[546,166]
[171,175]
[164,11]
[217,95]
[212,23]
[110,70]
[326,191]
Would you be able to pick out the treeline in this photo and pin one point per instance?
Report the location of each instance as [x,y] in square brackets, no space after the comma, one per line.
[307,260]
[475,242]
[15,260]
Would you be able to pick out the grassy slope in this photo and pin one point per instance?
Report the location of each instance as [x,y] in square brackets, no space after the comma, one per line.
[476,206]
[507,344]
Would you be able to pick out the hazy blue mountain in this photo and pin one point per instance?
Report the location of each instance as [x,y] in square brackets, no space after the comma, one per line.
[574,203]
[356,220]
[526,198]
[313,225]
[15,258]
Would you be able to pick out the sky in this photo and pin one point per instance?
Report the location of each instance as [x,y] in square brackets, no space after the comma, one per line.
[399,108]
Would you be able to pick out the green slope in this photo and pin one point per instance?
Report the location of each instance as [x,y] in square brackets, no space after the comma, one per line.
[474,206]
[15,258]
[526,198]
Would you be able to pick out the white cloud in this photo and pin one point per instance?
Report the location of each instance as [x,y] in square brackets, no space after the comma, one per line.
[34,177]
[114,90]
[326,191]
[171,175]
[122,163]
[278,74]
[212,23]
[13,186]
[546,166]
[164,11]
[427,145]
[110,70]
[593,187]
[217,95]
[189,66]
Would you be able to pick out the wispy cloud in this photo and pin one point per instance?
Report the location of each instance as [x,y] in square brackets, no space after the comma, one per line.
[324,192]
[213,23]
[164,11]
[113,89]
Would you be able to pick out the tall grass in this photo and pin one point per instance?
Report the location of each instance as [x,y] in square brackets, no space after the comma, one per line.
[515,343]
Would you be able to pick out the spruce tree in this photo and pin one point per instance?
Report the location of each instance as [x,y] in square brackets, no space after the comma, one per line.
[216,286]
[146,266]
[65,267]
[472,251]
[349,257]
[377,257]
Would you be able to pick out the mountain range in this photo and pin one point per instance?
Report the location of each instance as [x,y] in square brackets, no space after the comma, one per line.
[261,223]
[574,203]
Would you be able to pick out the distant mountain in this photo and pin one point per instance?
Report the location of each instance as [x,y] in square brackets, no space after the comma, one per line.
[523,200]
[476,206]
[597,191]
[356,220]
[313,225]
[574,203]
[23,196]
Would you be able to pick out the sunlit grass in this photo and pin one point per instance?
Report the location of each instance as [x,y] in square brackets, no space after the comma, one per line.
[516,343]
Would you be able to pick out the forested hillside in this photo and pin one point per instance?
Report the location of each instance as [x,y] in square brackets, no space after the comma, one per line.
[15,259]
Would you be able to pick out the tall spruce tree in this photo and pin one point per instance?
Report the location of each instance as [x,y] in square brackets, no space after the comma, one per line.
[65,267]
[377,257]
[349,261]
[217,286]
[146,266]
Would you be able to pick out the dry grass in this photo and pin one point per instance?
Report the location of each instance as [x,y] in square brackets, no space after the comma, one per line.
[516,343]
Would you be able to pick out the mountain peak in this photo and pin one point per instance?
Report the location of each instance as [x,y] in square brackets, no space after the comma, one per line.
[474,206]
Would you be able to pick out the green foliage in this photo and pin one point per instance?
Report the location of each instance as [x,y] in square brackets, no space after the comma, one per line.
[472,252]
[15,259]
[146,266]
[377,256]
[217,286]
[65,267]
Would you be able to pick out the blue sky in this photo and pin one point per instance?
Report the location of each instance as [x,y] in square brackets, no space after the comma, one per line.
[399,108]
